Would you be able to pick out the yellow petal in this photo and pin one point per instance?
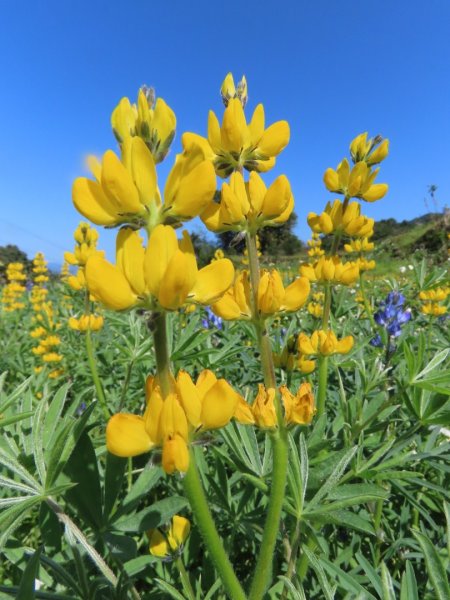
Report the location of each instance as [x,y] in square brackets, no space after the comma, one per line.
[205,381]
[152,415]
[331,180]
[277,197]
[118,185]
[270,293]
[212,281]
[143,170]
[256,125]
[178,280]
[123,120]
[227,308]
[126,435]
[159,545]
[274,139]
[214,132]
[173,418]
[211,217]
[189,398]
[256,191]
[175,455]
[195,191]
[162,245]
[130,258]
[164,120]
[296,294]
[107,283]
[90,200]
[218,405]
[345,345]
[375,192]
[235,135]
[179,531]
[243,413]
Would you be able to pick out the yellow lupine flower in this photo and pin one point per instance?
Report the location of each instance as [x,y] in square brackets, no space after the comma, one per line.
[356,182]
[304,365]
[372,151]
[154,122]
[433,308]
[435,295]
[165,274]
[210,403]
[249,206]
[315,309]
[86,322]
[359,245]
[52,357]
[78,282]
[272,296]
[334,218]
[331,269]
[263,408]
[299,409]
[229,90]
[364,264]
[126,191]
[236,144]
[165,544]
[324,343]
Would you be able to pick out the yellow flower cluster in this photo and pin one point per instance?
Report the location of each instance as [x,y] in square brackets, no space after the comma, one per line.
[162,276]
[12,296]
[432,301]
[172,422]
[40,269]
[272,296]
[299,409]
[86,238]
[331,270]
[315,307]
[151,119]
[46,350]
[315,246]
[323,343]
[235,144]
[346,220]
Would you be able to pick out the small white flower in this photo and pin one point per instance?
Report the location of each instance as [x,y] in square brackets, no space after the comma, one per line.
[402,269]
[411,267]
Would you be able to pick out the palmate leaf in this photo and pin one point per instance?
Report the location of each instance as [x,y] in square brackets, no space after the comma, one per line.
[434,566]
[333,480]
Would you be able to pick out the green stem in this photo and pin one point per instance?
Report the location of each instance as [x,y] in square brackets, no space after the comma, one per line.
[323,383]
[292,557]
[158,328]
[263,571]
[376,523]
[195,494]
[95,376]
[362,288]
[184,577]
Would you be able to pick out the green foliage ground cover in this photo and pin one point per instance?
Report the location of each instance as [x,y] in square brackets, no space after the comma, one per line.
[367,500]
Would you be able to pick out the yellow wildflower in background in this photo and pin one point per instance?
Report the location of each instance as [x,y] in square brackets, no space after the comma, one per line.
[165,544]
[324,343]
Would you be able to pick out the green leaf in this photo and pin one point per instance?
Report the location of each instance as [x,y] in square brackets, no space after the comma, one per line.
[137,565]
[55,408]
[371,573]
[114,478]
[432,364]
[122,547]
[144,483]
[82,469]
[50,528]
[409,589]
[153,516]
[387,583]
[26,588]
[333,479]
[4,422]
[434,565]
[323,581]
[173,592]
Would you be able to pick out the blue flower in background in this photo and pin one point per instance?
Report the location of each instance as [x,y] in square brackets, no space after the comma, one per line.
[211,320]
[392,316]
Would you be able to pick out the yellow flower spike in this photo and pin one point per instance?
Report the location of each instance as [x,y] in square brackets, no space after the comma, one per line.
[218,405]
[263,408]
[299,409]
[175,455]
[108,284]
[126,435]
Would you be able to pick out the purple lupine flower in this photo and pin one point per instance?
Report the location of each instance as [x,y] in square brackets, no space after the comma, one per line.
[391,316]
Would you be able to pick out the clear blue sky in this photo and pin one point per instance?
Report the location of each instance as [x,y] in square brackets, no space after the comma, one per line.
[332,69]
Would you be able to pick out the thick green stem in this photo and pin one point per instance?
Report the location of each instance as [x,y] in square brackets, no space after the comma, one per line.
[95,376]
[323,383]
[195,494]
[184,577]
[263,571]
[158,328]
